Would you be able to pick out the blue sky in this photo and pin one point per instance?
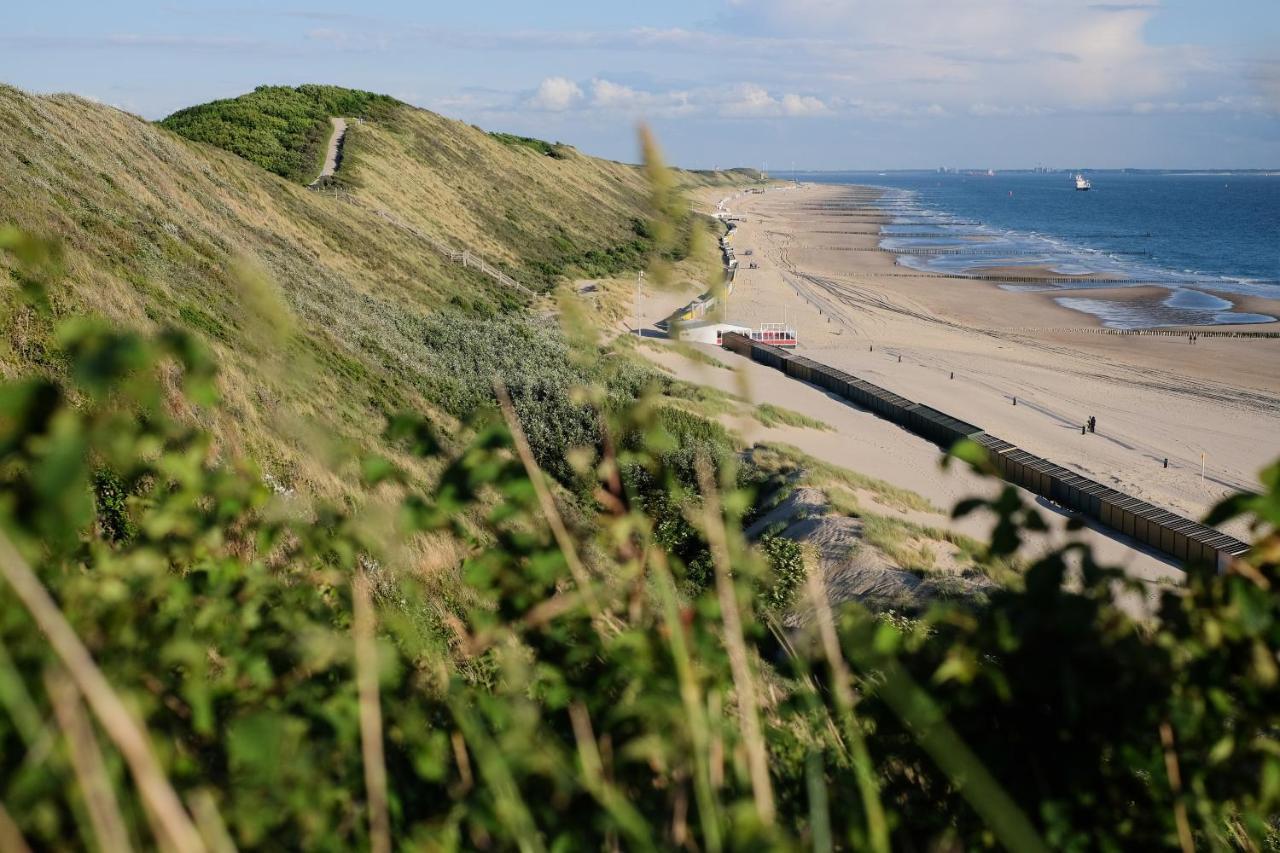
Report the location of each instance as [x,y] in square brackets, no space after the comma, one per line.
[823,84]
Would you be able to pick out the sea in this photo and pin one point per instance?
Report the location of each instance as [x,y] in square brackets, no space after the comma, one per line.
[1206,238]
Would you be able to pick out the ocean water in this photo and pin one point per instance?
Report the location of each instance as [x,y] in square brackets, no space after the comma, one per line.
[1207,239]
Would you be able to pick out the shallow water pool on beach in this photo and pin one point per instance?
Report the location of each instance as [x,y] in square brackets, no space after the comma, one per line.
[1181,308]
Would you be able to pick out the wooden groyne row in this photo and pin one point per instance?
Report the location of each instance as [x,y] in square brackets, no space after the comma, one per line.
[883,217]
[1028,279]
[898,234]
[951,251]
[1181,538]
[869,208]
[1163,333]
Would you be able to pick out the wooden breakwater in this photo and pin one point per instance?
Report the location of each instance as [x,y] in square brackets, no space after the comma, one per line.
[1181,332]
[976,250]
[1065,279]
[1181,538]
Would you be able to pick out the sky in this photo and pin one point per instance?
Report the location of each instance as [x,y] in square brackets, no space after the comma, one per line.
[809,84]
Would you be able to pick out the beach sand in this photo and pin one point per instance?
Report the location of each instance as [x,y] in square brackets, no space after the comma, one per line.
[860,441]
[1154,397]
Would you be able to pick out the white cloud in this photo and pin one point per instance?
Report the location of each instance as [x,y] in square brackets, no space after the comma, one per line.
[609,97]
[606,95]
[803,105]
[900,61]
[556,94]
[1005,54]
[985,110]
[1221,104]
[750,100]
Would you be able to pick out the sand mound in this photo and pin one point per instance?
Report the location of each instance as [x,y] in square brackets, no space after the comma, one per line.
[853,570]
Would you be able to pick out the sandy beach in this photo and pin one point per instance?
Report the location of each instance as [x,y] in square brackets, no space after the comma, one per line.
[1154,397]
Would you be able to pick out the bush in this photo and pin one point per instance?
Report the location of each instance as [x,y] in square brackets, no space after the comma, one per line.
[282,129]
[531,359]
[1049,719]
[786,572]
[547,149]
[179,639]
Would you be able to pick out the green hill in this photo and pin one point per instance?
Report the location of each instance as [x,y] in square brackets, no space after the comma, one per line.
[282,129]
[162,230]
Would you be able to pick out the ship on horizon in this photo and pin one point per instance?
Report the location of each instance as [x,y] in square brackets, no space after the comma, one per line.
[1083,183]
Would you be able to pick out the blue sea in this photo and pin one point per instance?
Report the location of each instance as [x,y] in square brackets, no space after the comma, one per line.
[1207,238]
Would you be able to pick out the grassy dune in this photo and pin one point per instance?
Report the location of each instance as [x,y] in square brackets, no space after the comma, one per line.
[310,302]
[282,129]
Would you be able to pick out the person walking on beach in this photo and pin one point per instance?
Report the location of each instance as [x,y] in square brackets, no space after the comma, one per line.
[1093,424]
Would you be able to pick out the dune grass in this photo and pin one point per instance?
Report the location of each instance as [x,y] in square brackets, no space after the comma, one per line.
[158,230]
[915,547]
[786,459]
[771,415]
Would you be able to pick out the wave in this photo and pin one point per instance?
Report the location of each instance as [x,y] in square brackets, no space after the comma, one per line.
[933,240]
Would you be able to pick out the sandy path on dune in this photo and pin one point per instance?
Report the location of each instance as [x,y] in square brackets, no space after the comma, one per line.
[335,146]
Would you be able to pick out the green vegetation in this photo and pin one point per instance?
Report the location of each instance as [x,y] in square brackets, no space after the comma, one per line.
[771,415]
[626,257]
[784,461]
[556,151]
[159,232]
[787,569]
[281,566]
[282,129]
[217,662]
[694,354]
[541,372]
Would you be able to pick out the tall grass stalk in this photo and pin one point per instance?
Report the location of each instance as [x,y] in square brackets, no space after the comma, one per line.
[708,808]
[545,500]
[11,840]
[842,686]
[735,642]
[819,806]
[593,778]
[971,778]
[375,766]
[209,821]
[508,803]
[1174,772]
[169,820]
[87,763]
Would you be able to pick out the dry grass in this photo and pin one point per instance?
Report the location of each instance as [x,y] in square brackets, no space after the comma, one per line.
[306,299]
[927,550]
[923,549]
[771,415]
[785,459]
